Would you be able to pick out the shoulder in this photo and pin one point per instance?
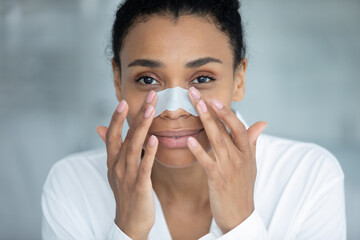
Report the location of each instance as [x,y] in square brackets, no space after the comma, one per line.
[76,200]
[296,159]
[76,168]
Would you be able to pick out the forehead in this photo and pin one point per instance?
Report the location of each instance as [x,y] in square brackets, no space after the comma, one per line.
[188,38]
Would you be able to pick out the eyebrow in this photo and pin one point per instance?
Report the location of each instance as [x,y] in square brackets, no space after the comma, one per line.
[156,63]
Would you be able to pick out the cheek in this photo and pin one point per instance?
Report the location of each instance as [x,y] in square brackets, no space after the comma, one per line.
[223,94]
[135,103]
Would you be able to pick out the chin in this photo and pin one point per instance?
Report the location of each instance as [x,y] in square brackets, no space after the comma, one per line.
[175,157]
[180,157]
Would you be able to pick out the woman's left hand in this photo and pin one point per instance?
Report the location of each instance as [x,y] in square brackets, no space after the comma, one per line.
[232,174]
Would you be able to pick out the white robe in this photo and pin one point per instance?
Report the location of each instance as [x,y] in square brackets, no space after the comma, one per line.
[299,194]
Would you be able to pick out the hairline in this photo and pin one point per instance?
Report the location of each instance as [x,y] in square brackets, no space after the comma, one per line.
[144,17]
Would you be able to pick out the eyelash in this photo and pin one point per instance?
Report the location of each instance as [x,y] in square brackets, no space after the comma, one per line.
[144,76]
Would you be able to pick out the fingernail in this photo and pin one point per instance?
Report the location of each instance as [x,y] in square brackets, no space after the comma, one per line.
[195,93]
[120,108]
[202,106]
[191,141]
[217,103]
[152,141]
[150,96]
[148,111]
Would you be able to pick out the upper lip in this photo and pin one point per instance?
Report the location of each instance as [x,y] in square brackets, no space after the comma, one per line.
[178,133]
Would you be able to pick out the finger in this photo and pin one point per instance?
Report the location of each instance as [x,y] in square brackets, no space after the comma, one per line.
[255,130]
[144,174]
[237,128]
[209,165]
[137,133]
[113,135]
[212,130]
[101,130]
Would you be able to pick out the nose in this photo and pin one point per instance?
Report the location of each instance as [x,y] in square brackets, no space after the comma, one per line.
[173,115]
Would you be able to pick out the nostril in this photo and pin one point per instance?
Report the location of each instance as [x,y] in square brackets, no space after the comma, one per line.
[173,115]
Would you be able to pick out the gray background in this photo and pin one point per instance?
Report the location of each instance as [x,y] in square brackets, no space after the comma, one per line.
[56,86]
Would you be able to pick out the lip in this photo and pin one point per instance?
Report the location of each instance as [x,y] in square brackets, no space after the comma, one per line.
[180,133]
[166,138]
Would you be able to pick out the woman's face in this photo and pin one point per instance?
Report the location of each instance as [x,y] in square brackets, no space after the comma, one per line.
[173,45]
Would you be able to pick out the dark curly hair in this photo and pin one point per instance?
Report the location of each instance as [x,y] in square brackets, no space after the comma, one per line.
[223,13]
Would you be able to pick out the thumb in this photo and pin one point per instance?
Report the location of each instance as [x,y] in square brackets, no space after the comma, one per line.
[101,130]
[255,130]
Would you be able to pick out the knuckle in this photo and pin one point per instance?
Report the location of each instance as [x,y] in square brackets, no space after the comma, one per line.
[110,163]
[131,149]
[239,163]
[242,129]
[226,112]
[118,173]
[210,167]
[139,188]
[142,109]
[127,186]
[144,170]
[141,185]
[219,141]
[144,163]
[238,131]
[236,141]
[109,135]
[233,138]
[248,151]
[131,132]
[220,124]
[116,116]
[217,180]
[129,180]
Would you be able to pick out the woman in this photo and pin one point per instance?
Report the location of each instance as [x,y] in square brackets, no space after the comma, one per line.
[182,176]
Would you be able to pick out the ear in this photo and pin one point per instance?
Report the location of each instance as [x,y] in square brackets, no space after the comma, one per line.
[239,81]
[117,82]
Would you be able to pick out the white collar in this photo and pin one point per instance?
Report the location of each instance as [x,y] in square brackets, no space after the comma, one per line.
[239,116]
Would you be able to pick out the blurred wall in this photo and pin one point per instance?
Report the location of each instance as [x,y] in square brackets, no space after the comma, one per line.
[56,86]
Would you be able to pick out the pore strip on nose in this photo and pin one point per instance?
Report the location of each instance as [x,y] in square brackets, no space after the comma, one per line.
[172,99]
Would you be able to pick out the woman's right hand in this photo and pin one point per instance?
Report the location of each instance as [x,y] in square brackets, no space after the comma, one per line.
[128,177]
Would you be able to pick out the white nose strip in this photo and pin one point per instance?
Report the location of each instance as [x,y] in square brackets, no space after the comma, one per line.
[172,99]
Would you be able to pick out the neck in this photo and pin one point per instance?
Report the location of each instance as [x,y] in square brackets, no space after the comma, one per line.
[181,185]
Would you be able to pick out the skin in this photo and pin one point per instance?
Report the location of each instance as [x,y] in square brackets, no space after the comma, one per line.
[214,176]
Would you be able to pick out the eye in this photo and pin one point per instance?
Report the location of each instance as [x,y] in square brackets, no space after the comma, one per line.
[203,79]
[145,80]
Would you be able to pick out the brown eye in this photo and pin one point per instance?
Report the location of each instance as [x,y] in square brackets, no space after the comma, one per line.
[146,80]
[203,79]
